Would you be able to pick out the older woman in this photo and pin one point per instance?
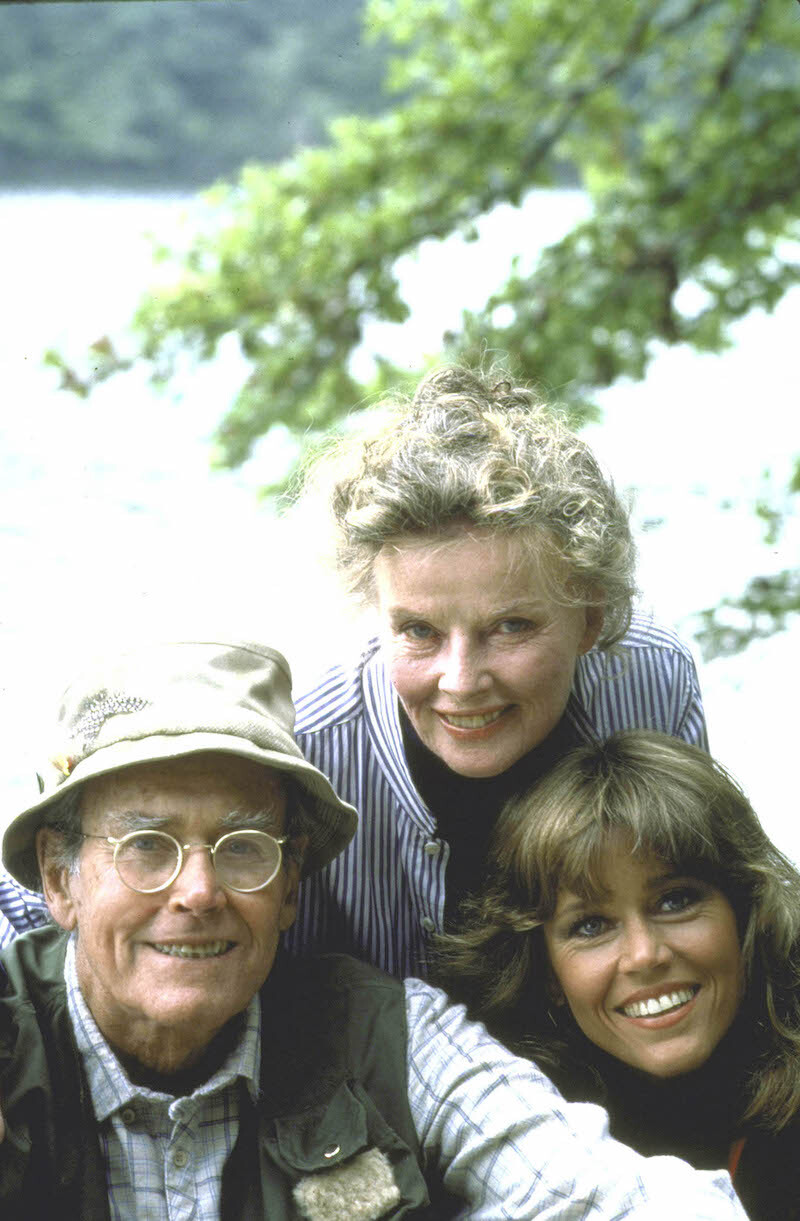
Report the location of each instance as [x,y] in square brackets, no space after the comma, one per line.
[499,560]
[640,937]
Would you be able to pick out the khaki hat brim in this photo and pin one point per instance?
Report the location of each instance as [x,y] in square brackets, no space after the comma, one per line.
[334,825]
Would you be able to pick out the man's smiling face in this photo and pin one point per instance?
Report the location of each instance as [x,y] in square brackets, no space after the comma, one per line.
[163,973]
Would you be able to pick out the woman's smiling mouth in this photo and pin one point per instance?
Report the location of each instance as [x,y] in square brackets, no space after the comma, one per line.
[475,720]
[656,1006]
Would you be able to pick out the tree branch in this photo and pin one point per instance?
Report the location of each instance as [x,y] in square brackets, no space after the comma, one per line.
[746,28]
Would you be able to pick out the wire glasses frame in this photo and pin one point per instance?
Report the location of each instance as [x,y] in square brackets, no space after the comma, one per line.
[240,856]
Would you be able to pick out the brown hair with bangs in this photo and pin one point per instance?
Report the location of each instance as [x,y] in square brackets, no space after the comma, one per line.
[666,799]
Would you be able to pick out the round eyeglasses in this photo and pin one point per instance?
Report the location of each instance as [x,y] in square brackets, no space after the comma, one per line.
[149,861]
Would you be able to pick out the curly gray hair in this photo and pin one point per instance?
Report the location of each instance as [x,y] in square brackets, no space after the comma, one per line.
[472,448]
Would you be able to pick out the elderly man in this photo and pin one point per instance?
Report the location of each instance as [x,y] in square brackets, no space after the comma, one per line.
[159,1058]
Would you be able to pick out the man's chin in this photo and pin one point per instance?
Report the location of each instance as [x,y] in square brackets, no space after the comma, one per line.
[181,1033]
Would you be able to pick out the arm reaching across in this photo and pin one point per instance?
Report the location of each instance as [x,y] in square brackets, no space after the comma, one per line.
[507,1142]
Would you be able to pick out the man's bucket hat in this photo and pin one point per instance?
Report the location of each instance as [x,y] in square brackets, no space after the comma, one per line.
[164,701]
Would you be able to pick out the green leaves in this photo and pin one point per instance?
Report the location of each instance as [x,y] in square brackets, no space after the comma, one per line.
[763,609]
[679,118]
[767,602]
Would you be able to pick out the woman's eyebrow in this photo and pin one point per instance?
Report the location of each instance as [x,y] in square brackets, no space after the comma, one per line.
[571,907]
[669,875]
[519,606]
[582,902]
[402,612]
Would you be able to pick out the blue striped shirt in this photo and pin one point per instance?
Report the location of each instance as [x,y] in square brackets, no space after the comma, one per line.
[383,897]
[20,909]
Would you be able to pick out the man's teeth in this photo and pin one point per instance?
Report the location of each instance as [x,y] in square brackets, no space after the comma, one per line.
[659,1004]
[212,950]
[471,722]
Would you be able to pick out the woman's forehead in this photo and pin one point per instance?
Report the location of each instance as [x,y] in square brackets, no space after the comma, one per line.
[521,562]
[597,874]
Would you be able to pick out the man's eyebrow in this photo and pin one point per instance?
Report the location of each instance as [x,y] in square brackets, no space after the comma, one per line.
[125,821]
[256,820]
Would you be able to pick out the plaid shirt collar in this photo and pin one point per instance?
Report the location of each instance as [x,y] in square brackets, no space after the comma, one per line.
[109,1085]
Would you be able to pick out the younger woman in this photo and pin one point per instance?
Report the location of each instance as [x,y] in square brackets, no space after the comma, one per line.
[640,937]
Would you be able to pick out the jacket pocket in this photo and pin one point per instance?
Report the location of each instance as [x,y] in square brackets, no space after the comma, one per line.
[346,1163]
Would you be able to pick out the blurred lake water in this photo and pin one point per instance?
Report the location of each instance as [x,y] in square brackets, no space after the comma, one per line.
[113,524]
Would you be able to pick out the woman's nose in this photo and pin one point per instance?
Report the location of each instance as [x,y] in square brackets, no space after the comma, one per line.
[462,670]
[196,887]
[643,946]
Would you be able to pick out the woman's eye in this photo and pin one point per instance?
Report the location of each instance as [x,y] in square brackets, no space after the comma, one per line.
[417,631]
[512,627]
[679,899]
[588,927]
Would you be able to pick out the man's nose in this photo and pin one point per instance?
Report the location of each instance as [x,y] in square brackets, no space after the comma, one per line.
[197,887]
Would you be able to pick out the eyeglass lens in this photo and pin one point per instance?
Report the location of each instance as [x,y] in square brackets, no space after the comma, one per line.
[244,860]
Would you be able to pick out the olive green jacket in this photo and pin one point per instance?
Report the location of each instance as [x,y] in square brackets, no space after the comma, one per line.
[333,1098]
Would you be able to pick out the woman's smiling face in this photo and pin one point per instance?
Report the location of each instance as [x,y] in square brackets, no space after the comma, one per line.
[652,971]
[481,655]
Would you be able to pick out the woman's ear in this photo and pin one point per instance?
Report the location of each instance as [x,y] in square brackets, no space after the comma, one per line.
[555,993]
[555,1000]
[594,615]
[57,879]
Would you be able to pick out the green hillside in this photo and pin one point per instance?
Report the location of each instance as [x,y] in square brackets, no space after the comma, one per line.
[173,93]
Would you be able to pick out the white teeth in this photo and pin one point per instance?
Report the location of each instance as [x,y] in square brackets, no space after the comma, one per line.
[659,1004]
[471,722]
[212,950]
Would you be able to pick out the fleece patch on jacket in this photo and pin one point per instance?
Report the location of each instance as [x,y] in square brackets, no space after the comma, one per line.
[360,1189]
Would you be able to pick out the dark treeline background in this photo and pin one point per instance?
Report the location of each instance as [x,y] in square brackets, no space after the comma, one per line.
[175,93]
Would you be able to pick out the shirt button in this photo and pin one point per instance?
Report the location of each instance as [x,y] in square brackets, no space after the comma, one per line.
[332,1151]
[179,1158]
[428,924]
[432,848]
[128,1116]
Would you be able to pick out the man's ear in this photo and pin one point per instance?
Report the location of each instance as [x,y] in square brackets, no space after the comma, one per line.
[293,868]
[57,880]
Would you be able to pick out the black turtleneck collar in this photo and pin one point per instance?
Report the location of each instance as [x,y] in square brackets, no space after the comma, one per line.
[466,808]
[694,1116]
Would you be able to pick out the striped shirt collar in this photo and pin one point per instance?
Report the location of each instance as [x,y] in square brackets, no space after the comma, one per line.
[110,1088]
[383,719]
